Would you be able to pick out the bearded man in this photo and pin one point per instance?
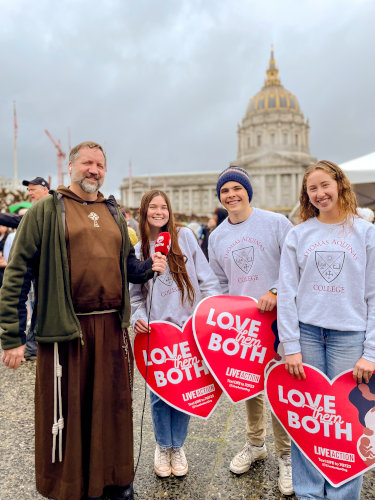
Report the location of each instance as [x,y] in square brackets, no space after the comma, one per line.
[76,244]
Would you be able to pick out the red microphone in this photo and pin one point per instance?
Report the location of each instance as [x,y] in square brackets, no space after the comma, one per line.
[163,245]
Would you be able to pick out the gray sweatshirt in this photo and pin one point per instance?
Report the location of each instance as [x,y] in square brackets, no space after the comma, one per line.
[246,256]
[166,302]
[327,279]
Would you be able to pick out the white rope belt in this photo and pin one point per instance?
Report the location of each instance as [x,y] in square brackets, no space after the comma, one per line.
[58,425]
[98,312]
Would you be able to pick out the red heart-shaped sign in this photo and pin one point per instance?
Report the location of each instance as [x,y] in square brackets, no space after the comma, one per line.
[236,342]
[176,371]
[331,421]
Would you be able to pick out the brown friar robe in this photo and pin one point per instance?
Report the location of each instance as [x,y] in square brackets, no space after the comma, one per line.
[96,376]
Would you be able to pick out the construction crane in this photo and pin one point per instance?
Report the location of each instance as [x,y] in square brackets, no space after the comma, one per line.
[60,158]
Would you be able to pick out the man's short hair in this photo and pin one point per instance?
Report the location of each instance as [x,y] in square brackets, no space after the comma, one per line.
[74,153]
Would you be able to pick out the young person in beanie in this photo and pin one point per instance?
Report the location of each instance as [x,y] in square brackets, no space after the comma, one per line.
[244,252]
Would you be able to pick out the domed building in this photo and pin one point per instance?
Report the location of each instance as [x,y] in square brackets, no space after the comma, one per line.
[273,144]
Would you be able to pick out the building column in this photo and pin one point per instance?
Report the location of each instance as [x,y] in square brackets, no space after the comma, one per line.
[170,194]
[180,201]
[190,200]
[262,191]
[278,190]
[294,189]
[299,183]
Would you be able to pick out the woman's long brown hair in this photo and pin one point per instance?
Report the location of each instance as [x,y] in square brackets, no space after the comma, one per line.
[346,197]
[176,259]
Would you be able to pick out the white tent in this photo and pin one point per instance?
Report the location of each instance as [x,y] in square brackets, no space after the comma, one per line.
[361,173]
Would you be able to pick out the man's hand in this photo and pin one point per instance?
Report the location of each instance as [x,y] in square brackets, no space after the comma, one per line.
[363,368]
[3,262]
[267,302]
[159,262]
[293,364]
[141,326]
[14,357]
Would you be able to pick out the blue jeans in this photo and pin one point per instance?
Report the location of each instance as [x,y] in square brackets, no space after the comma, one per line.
[332,352]
[170,425]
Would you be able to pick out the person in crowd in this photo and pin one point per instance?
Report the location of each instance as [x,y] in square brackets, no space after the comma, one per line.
[9,241]
[218,217]
[244,252]
[326,313]
[132,236]
[77,244]
[131,222]
[220,214]
[38,188]
[175,295]
[4,233]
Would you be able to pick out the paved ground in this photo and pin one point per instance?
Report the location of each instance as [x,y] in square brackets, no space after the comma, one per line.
[209,448]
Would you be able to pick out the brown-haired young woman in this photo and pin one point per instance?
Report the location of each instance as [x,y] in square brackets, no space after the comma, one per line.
[175,295]
[326,304]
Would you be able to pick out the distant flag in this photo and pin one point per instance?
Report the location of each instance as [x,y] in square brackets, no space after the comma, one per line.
[165,183]
[15,146]
[15,120]
[130,195]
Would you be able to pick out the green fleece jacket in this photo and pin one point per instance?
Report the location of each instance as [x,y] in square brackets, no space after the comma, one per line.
[39,252]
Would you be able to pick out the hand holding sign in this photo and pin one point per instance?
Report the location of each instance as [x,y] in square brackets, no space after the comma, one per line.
[176,371]
[236,342]
[331,421]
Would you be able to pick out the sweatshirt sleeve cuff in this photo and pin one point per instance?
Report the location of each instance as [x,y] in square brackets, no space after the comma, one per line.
[369,354]
[292,347]
[136,317]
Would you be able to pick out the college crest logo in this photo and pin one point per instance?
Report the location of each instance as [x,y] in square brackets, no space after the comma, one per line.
[166,278]
[244,258]
[329,264]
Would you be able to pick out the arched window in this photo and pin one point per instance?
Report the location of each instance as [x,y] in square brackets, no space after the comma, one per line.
[285,139]
[248,142]
[296,139]
[272,137]
[259,140]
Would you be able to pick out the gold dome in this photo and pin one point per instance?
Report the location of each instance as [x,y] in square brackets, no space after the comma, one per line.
[273,96]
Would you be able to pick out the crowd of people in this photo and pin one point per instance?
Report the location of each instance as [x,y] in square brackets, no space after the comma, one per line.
[85,267]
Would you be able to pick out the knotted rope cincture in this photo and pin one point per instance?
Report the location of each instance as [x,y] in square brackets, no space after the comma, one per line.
[58,425]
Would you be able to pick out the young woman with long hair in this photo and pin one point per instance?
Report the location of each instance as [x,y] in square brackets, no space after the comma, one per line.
[326,304]
[176,294]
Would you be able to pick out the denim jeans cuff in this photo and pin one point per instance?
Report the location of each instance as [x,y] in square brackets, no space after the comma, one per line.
[164,447]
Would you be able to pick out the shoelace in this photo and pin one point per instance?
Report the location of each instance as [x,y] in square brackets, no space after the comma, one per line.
[245,450]
[177,457]
[288,466]
[163,456]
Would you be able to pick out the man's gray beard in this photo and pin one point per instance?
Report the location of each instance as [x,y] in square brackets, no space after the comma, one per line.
[86,186]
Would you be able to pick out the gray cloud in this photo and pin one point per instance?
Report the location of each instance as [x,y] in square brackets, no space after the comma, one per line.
[167,81]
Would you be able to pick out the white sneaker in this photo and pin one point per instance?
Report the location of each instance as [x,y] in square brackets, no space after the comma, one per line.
[242,461]
[179,462]
[285,475]
[162,462]
[259,452]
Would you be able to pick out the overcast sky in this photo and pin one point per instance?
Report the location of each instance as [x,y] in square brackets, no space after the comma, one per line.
[167,81]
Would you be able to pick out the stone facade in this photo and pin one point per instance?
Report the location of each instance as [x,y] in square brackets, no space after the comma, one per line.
[273,146]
